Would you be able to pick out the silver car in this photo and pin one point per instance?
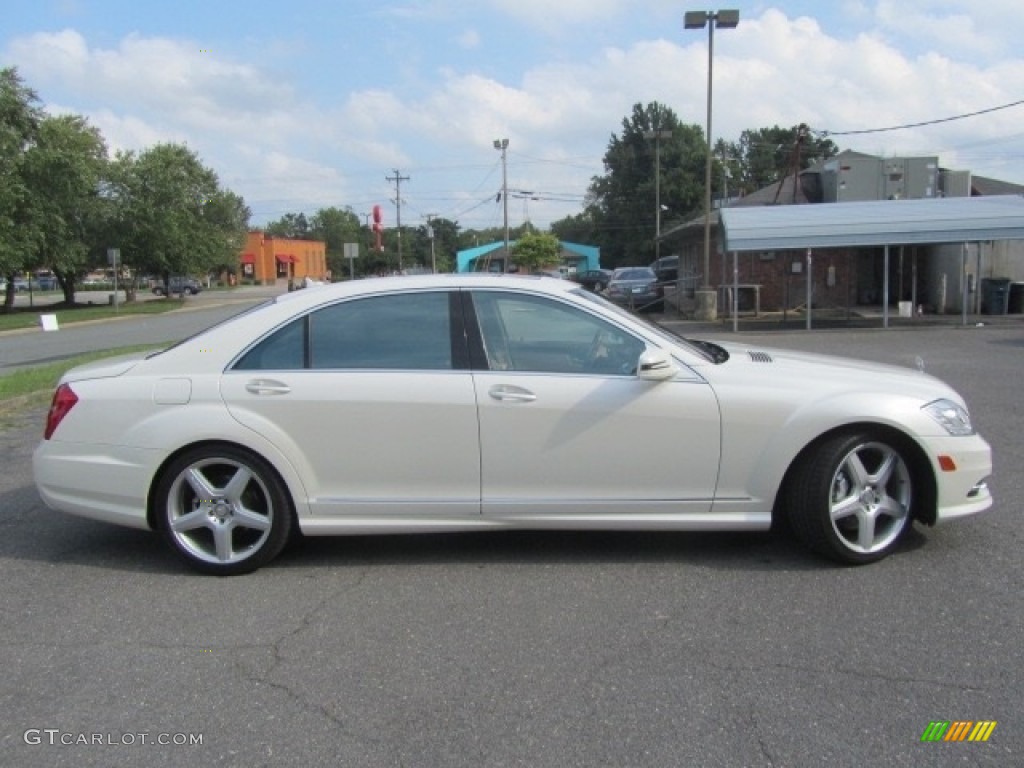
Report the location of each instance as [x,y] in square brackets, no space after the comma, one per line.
[637,288]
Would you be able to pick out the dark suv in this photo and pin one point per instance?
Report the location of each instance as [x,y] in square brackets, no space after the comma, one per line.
[667,269]
[178,284]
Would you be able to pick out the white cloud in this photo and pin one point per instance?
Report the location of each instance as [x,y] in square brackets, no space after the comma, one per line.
[263,129]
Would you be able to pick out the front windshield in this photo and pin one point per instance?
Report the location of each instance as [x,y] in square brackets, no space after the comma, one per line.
[654,328]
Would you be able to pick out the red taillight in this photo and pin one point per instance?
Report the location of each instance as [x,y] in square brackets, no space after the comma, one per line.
[64,400]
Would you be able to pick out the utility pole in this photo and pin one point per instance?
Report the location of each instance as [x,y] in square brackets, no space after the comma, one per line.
[657,136]
[398,178]
[430,234]
[502,146]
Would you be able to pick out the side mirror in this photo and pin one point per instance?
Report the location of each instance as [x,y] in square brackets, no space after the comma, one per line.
[656,365]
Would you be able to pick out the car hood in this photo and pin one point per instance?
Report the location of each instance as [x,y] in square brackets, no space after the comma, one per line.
[810,371]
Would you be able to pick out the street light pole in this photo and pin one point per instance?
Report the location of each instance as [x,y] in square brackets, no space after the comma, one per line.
[707,300]
[657,136]
[502,144]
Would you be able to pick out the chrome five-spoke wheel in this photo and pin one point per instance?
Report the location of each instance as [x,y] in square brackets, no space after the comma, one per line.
[224,510]
[851,500]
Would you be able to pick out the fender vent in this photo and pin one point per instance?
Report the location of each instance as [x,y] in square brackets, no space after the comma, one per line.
[760,357]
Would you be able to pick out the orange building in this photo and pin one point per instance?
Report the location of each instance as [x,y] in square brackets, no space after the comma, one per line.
[267,260]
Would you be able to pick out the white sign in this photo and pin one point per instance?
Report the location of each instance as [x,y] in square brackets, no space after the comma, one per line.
[351,250]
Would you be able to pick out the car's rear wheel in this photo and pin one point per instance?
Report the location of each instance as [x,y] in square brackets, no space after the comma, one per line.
[223,509]
[851,498]
[187,291]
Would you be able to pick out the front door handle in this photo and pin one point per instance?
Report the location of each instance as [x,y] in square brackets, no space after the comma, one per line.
[509,393]
[267,387]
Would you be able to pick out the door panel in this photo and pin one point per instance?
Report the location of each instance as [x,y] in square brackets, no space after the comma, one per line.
[370,442]
[371,400]
[567,428]
[592,445]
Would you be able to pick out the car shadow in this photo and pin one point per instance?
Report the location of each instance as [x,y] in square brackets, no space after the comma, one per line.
[31,532]
[736,552]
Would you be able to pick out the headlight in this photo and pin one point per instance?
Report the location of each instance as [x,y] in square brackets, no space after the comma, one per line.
[954,418]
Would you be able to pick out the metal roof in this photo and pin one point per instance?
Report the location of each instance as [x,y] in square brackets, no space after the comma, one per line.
[874,223]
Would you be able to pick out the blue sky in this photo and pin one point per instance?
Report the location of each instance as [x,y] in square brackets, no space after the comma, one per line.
[309,103]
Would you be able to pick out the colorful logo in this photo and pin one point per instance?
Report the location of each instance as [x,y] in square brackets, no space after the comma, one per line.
[958,730]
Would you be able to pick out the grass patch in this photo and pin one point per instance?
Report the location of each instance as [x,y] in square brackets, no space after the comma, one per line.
[28,317]
[35,385]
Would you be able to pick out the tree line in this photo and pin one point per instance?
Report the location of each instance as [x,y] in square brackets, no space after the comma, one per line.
[619,209]
[65,202]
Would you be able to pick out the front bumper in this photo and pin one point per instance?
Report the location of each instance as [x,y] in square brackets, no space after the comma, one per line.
[964,490]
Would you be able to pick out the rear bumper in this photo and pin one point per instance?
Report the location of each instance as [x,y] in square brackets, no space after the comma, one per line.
[66,479]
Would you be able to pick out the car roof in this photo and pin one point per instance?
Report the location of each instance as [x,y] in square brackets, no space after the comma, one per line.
[369,285]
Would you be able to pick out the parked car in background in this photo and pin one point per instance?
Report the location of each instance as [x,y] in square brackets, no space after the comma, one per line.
[322,411]
[666,268]
[178,284]
[636,288]
[594,279]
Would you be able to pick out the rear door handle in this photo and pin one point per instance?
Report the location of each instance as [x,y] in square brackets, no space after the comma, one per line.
[267,387]
[509,393]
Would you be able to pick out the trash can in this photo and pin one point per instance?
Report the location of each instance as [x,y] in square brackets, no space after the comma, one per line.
[995,295]
[1015,305]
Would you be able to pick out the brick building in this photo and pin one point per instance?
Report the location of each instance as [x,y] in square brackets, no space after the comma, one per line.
[845,277]
[266,260]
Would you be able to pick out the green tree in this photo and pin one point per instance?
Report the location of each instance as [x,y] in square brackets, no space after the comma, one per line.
[580,228]
[292,225]
[170,214]
[335,227]
[63,172]
[764,156]
[439,250]
[535,250]
[622,201]
[20,115]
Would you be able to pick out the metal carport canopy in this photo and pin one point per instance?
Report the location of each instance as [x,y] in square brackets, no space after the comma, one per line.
[873,223]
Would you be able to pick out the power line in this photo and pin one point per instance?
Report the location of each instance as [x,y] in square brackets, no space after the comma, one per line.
[919,125]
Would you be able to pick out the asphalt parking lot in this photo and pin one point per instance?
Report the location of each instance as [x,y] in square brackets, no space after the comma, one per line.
[525,649]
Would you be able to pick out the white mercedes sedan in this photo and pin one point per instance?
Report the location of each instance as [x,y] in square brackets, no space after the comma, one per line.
[484,402]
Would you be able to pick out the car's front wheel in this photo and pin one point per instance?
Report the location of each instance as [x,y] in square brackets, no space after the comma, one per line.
[223,509]
[851,498]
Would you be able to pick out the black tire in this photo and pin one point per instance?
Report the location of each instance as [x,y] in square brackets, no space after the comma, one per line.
[851,498]
[187,291]
[223,509]
[158,291]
